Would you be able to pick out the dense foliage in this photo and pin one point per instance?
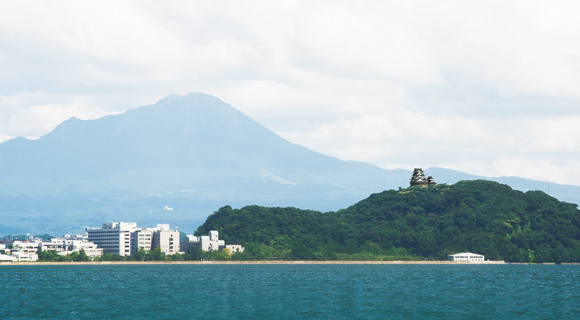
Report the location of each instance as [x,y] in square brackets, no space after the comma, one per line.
[478,216]
[53,256]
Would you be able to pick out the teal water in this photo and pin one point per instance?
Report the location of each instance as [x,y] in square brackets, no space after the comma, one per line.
[290,292]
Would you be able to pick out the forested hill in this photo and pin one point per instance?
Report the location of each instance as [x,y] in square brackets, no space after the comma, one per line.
[478,216]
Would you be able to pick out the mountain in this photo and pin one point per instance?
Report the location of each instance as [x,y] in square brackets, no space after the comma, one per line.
[191,153]
[176,162]
[478,216]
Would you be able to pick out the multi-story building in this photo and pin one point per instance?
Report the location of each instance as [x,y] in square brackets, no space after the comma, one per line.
[113,237]
[167,240]
[142,239]
[124,238]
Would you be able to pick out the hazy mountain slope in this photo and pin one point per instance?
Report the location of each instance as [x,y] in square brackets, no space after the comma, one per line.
[188,152]
[566,193]
[191,141]
[192,153]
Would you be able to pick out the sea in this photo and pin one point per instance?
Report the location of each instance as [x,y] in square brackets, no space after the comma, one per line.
[290,292]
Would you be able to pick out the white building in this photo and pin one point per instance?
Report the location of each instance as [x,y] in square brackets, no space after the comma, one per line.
[235,248]
[209,243]
[142,239]
[26,244]
[167,241]
[66,245]
[206,243]
[124,238]
[24,254]
[113,237]
[466,256]
[5,257]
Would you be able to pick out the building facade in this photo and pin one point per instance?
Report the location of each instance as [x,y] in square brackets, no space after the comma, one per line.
[64,246]
[235,248]
[142,239]
[167,241]
[124,238]
[113,237]
[466,256]
[210,242]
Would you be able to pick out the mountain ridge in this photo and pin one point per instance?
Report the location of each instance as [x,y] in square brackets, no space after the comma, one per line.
[194,153]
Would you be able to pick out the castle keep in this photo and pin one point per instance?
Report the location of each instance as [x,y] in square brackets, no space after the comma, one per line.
[419,179]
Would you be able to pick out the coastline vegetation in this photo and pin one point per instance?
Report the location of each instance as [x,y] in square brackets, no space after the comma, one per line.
[416,223]
[479,216]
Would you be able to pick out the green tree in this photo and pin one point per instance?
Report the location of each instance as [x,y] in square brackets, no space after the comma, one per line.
[155,255]
[193,254]
[480,216]
[83,256]
[226,255]
[138,255]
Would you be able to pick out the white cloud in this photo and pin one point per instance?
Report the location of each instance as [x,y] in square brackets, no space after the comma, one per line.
[491,88]
[37,119]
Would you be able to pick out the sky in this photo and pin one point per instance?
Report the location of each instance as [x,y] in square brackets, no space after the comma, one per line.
[490,88]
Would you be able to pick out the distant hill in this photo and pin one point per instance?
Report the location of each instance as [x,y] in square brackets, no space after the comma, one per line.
[479,216]
[191,153]
[188,154]
[562,192]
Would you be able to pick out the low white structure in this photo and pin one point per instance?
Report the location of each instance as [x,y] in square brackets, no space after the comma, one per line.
[66,245]
[5,257]
[26,244]
[466,256]
[24,254]
[235,248]
[210,242]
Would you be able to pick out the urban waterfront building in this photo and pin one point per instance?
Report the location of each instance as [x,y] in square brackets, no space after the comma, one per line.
[67,245]
[124,238]
[22,254]
[235,248]
[7,257]
[26,250]
[142,239]
[210,242]
[113,237]
[167,240]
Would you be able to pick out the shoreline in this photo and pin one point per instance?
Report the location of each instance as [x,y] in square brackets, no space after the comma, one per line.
[297,262]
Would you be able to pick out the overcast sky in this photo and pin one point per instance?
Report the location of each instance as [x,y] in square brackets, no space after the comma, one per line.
[488,87]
